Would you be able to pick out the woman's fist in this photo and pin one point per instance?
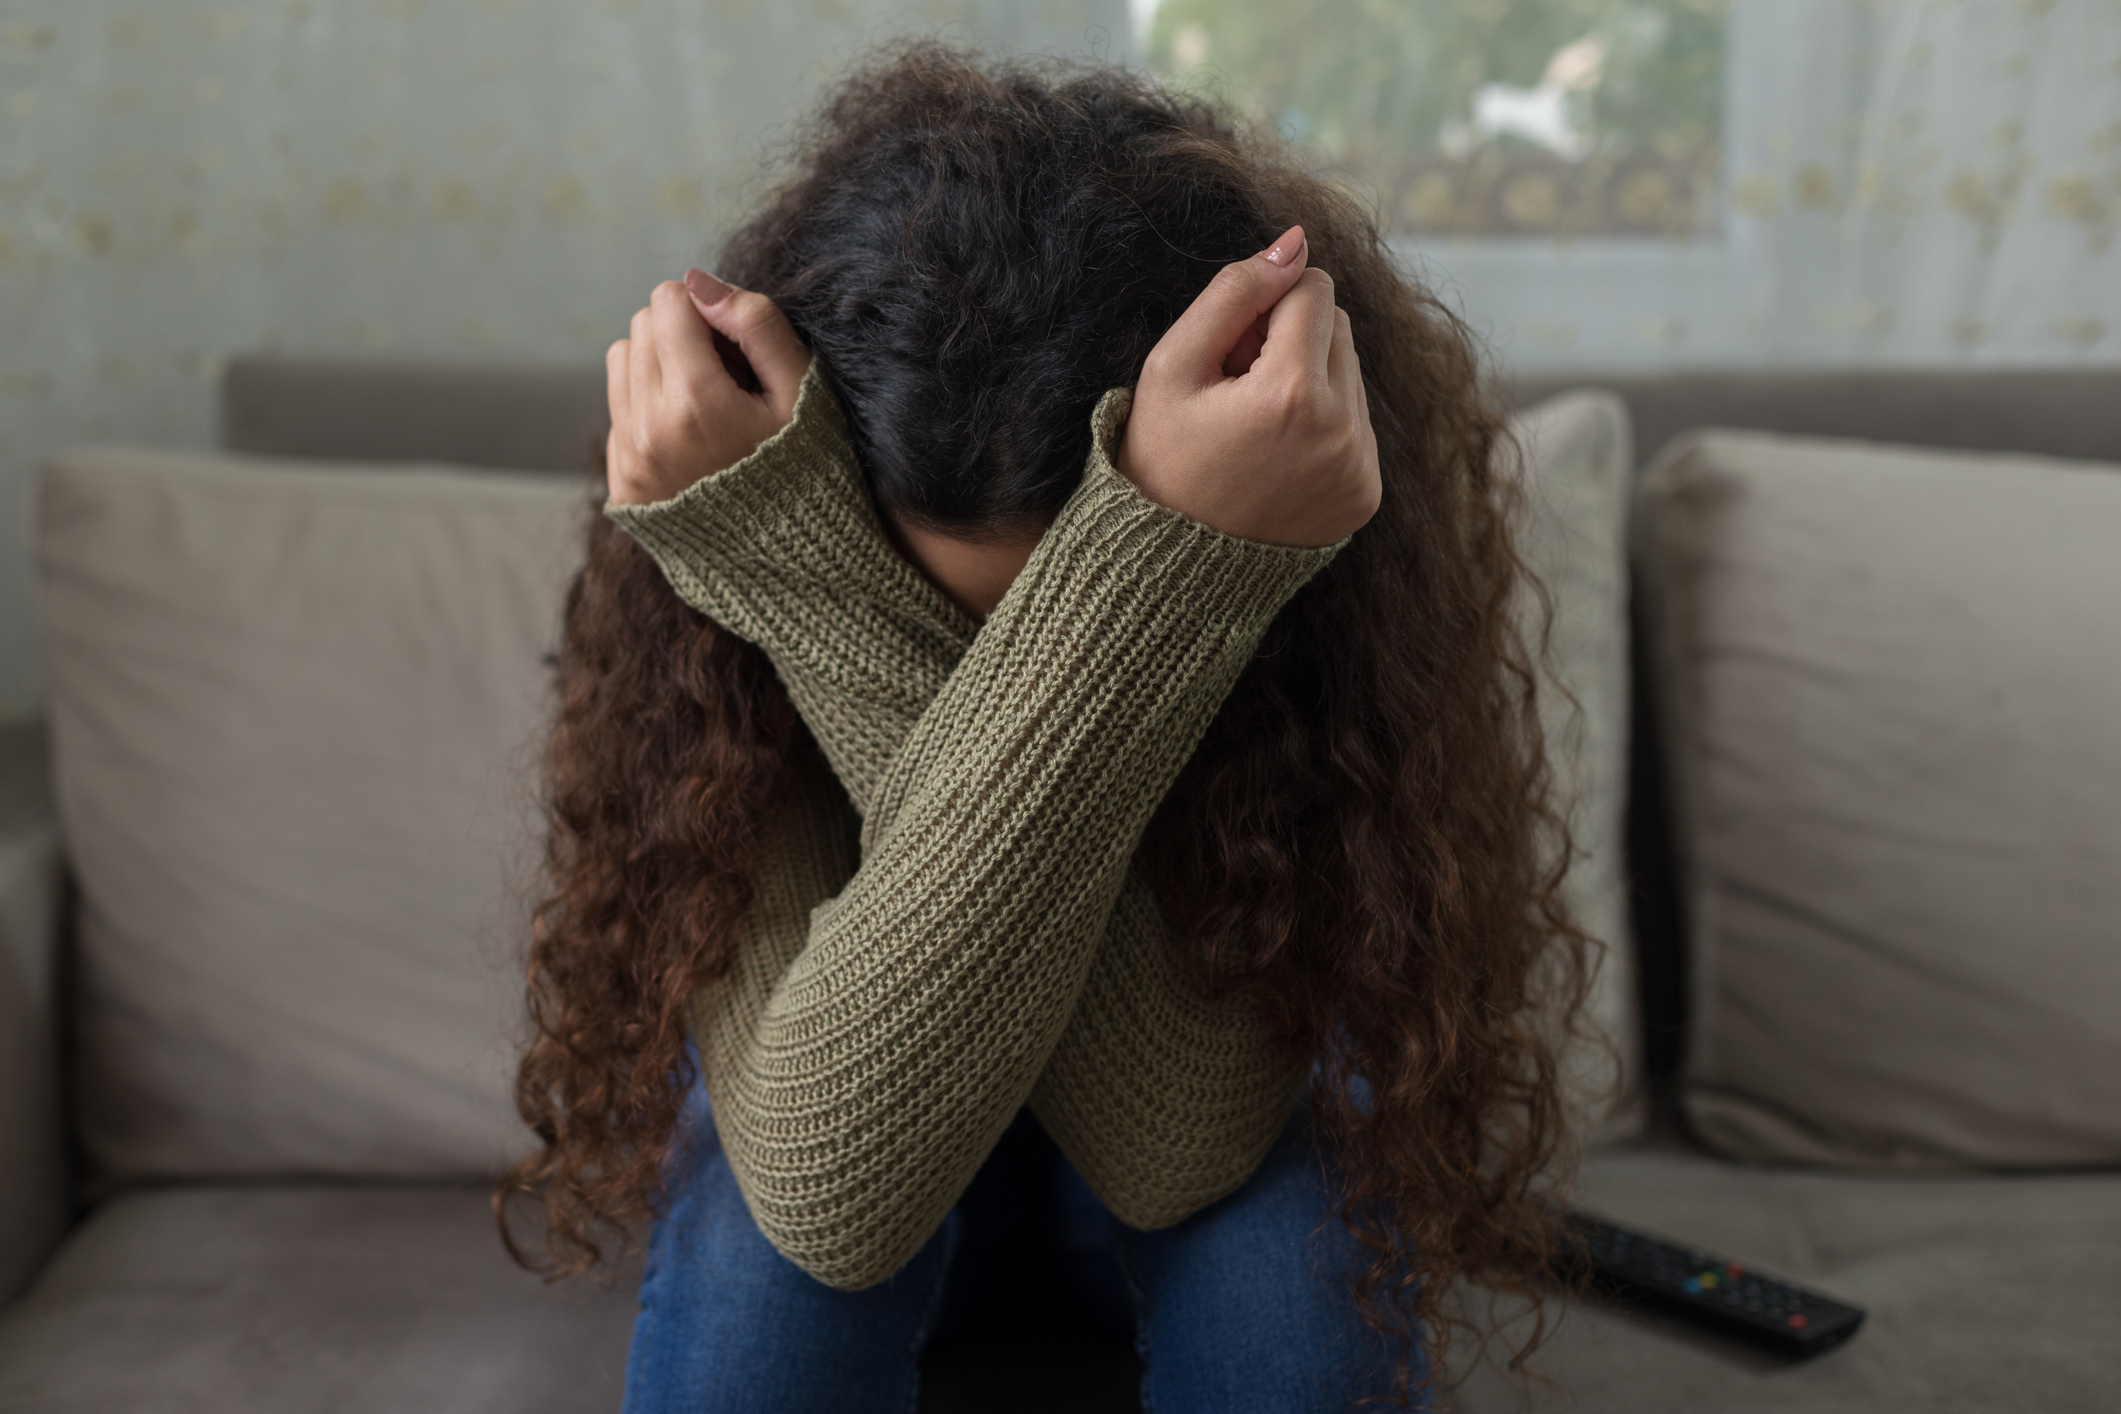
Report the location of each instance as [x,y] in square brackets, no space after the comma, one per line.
[1250,415]
[678,411]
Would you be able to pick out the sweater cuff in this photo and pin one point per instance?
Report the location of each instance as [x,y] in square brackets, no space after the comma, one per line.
[796,506]
[1236,584]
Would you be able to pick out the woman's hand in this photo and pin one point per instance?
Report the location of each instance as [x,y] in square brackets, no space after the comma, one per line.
[678,412]
[1250,415]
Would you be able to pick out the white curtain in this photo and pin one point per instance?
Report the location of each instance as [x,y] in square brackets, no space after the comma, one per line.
[1925,181]
[1907,182]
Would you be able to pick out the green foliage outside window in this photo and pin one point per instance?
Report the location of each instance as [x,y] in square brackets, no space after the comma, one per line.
[1478,117]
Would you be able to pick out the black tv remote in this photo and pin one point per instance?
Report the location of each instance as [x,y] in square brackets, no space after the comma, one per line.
[1726,1295]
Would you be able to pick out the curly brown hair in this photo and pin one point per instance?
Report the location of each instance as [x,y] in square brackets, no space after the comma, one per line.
[1365,840]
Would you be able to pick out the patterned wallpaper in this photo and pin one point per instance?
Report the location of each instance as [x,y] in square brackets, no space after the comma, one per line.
[434,179]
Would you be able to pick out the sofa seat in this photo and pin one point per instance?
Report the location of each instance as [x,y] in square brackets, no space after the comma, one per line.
[307,1300]
[1985,1292]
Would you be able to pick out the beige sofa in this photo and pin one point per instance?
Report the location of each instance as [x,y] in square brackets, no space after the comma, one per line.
[261,886]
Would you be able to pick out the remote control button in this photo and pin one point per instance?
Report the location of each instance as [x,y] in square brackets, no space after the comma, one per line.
[1798,1322]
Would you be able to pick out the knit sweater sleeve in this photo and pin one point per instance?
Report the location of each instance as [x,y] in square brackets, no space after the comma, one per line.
[926,998]
[1163,1099]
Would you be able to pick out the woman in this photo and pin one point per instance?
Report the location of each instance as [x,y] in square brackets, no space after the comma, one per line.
[1031,663]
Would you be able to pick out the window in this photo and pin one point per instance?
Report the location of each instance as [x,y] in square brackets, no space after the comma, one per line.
[1530,118]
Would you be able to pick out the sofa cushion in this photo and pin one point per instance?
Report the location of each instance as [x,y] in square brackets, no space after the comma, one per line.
[1985,1294]
[1889,680]
[1575,465]
[303,1300]
[294,716]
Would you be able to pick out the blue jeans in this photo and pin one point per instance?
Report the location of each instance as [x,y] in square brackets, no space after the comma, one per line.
[1244,1306]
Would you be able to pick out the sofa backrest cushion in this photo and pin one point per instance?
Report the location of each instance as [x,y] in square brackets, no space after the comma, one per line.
[2057,412]
[295,716]
[1890,682]
[295,712]
[1576,460]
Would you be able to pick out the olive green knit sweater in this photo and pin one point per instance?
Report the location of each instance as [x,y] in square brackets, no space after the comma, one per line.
[985,941]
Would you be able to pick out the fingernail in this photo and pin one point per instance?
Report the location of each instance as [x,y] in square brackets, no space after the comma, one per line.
[706,289]
[1287,248]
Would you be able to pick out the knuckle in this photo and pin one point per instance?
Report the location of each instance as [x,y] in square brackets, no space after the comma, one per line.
[1350,442]
[1238,279]
[1290,400]
[1333,445]
[688,402]
[1157,364]
[1335,436]
[753,310]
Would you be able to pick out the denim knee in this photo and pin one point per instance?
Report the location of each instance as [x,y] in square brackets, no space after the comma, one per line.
[1247,1305]
[728,1323]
